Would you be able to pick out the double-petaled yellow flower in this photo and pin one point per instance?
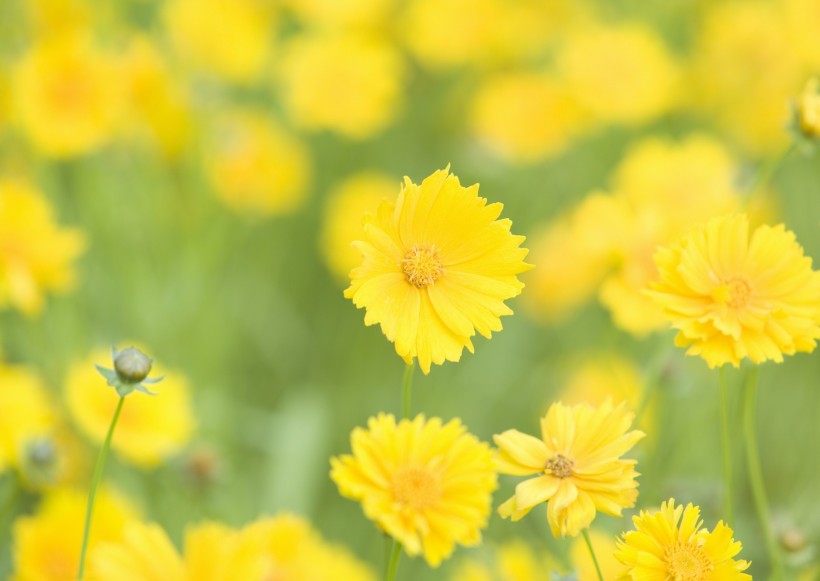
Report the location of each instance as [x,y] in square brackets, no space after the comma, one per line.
[438,266]
[577,466]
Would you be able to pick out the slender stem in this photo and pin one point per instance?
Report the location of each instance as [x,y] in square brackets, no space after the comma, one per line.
[95,482]
[725,443]
[768,170]
[393,563]
[756,474]
[592,554]
[653,377]
[407,390]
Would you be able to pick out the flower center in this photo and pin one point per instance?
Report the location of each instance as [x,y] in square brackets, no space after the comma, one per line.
[686,562]
[735,292]
[560,466]
[416,488]
[422,266]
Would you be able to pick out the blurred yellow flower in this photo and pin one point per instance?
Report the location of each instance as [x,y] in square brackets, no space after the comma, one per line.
[333,15]
[51,18]
[619,74]
[578,460]
[438,266]
[427,484]
[671,544]
[348,83]
[227,38]
[26,413]
[524,117]
[513,561]
[735,43]
[149,429]
[254,165]
[604,546]
[730,297]
[284,547]
[342,224]
[808,108]
[801,18]
[157,101]
[36,255]
[67,96]
[46,546]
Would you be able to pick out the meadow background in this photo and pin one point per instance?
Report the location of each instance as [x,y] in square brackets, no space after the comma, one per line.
[206,188]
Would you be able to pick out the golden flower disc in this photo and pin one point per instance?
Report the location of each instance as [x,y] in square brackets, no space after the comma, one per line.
[422,266]
[416,488]
[687,562]
[560,466]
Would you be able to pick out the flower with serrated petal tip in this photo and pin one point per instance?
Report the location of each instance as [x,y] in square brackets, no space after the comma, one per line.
[425,483]
[577,463]
[732,297]
[438,266]
[670,544]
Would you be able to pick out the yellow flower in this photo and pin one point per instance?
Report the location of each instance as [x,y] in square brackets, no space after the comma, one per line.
[255,166]
[524,117]
[26,413]
[578,460]
[345,206]
[730,297]
[670,544]
[427,484]
[347,83]
[513,561]
[150,428]
[159,107]
[620,74]
[67,96]
[808,108]
[283,547]
[35,254]
[46,546]
[332,14]
[604,546]
[227,38]
[438,266]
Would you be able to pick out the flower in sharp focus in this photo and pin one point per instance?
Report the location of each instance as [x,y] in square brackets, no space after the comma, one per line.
[671,544]
[150,429]
[438,266]
[732,297]
[425,483]
[577,466]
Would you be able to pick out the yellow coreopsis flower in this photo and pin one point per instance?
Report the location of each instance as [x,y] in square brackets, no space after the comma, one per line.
[427,484]
[150,429]
[578,460]
[671,544]
[438,266]
[730,297]
[67,96]
[26,413]
[345,206]
[348,83]
[36,255]
[808,108]
[46,546]
[513,561]
[254,165]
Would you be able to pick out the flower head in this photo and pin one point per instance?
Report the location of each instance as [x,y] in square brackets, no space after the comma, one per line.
[425,483]
[438,266]
[670,544]
[808,108]
[732,297]
[578,463]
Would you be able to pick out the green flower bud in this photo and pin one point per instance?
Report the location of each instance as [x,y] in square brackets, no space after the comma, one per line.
[132,365]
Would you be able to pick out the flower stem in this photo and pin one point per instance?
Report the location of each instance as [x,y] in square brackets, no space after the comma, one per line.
[726,444]
[95,482]
[592,554]
[407,390]
[755,473]
[767,172]
[392,565]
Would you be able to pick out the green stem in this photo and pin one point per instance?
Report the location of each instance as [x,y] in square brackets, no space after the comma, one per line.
[592,554]
[756,474]
[652,379]
[393,564]
[95,482]
[407,390]
[767,171]
[725,443]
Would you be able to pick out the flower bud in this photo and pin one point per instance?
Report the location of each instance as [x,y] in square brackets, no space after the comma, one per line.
[808,109]
[132,365]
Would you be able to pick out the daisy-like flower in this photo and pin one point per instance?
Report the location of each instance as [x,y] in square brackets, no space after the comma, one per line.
[578,465]
[438,266]
[670,544]
[731,297]
[427,484]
